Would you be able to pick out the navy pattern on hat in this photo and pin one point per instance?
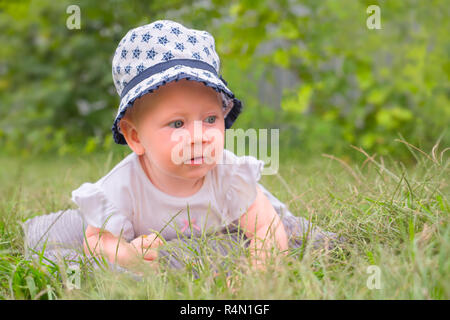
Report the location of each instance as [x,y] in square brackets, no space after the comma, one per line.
[152,55]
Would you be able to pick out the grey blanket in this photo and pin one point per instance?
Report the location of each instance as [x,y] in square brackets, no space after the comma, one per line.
[59,236]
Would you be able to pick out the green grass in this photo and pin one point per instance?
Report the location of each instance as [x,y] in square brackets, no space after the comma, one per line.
[394,217]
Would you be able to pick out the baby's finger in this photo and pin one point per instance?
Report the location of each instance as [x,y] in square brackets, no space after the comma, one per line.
[152,240]
[137,243]
[150,254]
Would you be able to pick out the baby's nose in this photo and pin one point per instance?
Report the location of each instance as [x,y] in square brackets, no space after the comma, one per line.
[197,133]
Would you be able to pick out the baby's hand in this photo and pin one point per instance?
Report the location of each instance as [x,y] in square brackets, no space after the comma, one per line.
[146,245]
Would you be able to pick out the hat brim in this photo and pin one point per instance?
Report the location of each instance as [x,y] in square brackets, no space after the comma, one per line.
[232,105]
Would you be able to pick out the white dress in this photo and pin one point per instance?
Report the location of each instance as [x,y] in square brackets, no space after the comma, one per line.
[126,203]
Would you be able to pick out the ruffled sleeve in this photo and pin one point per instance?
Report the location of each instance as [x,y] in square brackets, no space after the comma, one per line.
[239,183]
[98,210]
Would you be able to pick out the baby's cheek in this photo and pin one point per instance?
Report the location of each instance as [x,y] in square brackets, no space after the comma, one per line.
[161,147]
[176,153]
[215,136]
[214,148]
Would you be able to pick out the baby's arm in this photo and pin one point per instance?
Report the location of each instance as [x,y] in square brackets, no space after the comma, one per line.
[117,250]
[264,227]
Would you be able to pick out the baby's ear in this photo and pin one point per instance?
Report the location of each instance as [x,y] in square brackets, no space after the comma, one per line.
[130,133]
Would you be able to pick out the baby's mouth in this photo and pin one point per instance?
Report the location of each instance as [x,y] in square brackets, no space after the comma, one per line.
[196,160]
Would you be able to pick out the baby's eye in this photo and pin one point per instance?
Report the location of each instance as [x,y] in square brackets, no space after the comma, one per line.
[176,124]
[211,119]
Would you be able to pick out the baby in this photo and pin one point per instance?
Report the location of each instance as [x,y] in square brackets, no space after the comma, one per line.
[179,179]
[147,189]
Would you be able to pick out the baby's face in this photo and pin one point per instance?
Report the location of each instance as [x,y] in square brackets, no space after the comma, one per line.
[166,129]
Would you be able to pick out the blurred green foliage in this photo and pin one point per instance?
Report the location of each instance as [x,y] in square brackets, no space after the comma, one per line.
[355,86]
